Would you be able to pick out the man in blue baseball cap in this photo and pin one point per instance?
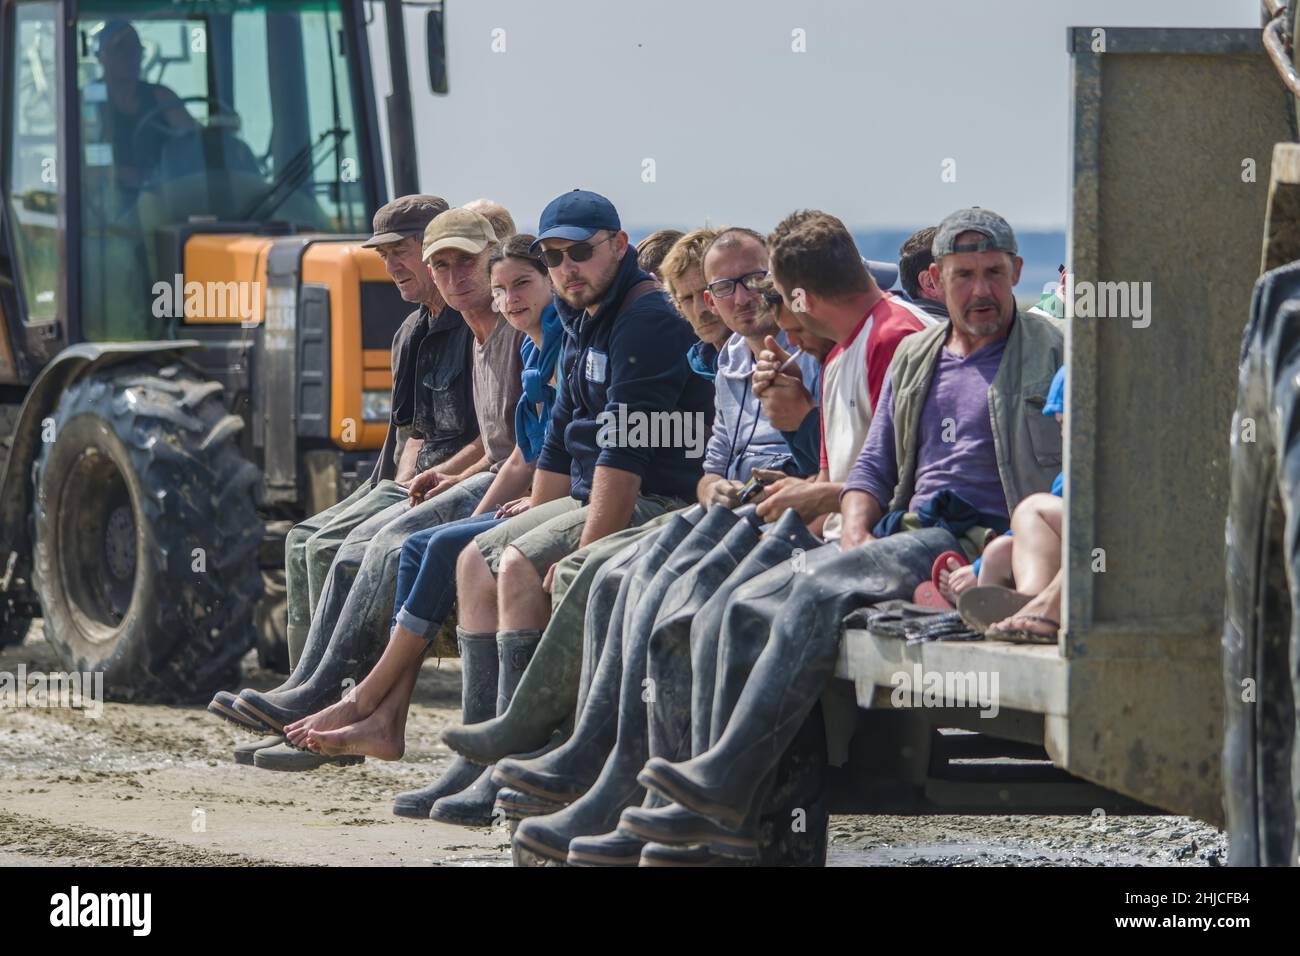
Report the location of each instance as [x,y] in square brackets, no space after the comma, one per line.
[627,433]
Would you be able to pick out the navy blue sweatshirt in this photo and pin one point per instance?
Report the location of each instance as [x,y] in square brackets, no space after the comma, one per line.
[637,361]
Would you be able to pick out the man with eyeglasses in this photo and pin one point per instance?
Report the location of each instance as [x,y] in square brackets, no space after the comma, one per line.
[735,270]
[624,362]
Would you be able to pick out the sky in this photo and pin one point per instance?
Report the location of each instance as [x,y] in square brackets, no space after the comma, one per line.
[691,111]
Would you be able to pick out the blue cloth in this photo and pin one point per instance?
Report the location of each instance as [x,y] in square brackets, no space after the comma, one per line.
[426,576]
[806,444]
[627,367]
[947,510]
[539,366]
[703,360]
[1055,403]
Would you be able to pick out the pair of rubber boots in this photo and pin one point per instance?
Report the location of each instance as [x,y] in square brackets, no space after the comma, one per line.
[630,700]
[492,666]
[764,710]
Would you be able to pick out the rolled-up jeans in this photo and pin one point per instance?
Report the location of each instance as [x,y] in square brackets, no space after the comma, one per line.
[426,575]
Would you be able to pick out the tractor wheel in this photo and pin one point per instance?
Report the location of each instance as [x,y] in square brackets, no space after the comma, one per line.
[1261,643]
[147,534]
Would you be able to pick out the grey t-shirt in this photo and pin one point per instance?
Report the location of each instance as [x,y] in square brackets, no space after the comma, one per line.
[497,387]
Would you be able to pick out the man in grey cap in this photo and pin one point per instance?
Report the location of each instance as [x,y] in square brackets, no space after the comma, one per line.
[956,442]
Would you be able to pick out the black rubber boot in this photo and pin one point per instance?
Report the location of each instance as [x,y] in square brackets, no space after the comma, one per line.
[804,614]
[668,672]
[597,810]
[546,697]
[223,706]
[478,690]
[786,538]
[244,752]
[286,757]
[567,772]
[472,807]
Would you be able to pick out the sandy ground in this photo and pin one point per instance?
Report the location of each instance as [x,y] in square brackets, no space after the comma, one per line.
[145,785]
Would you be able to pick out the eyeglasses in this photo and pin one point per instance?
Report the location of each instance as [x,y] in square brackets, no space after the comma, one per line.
[725,288]
[773,300]
[578,252]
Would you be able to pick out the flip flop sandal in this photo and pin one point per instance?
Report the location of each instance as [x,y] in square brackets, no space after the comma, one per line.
[927,594]
[1022,635]
[982,607]
[941,563]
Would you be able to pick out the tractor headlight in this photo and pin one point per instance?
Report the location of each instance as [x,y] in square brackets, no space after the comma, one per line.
[376,406]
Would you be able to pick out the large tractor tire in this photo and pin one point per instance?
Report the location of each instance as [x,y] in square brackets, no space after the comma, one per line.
[147,534]
[1261,642]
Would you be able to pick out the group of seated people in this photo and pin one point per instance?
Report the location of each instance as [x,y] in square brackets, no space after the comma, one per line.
[646,626]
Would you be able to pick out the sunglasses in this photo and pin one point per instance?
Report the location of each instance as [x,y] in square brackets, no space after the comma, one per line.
[578,252]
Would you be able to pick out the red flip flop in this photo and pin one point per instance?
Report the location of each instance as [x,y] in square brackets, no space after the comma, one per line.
[927,595]
[941,562]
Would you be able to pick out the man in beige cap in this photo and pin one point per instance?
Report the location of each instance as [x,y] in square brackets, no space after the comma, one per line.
[468,385]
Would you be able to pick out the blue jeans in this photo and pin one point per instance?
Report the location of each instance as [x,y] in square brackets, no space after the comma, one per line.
[426,576]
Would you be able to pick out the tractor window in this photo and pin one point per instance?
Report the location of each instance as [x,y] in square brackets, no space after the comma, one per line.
[231,111]
[31,174]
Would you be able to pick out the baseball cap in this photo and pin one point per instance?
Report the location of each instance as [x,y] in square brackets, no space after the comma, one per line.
[404,217]
[462,229]
[996,230]
[576,215]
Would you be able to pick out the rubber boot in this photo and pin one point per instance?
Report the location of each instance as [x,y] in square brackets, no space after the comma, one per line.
[478,690]
[668,672]
[616,787]
[568,771]
[223,705]
[805,620]
[472,807]
[668,823]
[546,696]
[515,805]
[244,752]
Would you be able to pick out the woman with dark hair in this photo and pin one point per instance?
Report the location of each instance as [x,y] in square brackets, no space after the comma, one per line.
[426,583]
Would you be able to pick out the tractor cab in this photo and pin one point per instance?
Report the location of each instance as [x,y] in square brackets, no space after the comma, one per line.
[180,118]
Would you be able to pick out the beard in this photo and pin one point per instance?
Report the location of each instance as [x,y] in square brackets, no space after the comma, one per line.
[985,327]
[594,290]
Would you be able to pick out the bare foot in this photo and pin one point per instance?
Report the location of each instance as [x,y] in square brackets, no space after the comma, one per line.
[345,712]
[955,578]
[376,736]
[1041,616]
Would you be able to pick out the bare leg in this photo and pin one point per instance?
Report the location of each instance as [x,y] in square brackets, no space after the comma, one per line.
[1036,530]
[404,653]
[523,604]
[381,735]
[995,568]
[476,592]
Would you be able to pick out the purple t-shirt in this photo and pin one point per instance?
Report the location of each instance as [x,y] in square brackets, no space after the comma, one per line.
[955,448]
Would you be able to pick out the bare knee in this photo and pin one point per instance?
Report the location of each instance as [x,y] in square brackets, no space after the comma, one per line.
[472,571]
[517,572]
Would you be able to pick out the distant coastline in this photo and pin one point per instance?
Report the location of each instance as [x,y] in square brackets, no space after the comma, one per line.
[1043,252]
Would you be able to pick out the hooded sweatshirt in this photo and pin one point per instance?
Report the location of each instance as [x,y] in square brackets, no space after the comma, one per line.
[628,399]
[743,438]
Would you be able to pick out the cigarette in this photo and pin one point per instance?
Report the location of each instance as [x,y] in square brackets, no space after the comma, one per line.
[790,361]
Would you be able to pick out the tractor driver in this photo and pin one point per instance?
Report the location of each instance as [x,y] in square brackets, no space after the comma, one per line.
[139,117]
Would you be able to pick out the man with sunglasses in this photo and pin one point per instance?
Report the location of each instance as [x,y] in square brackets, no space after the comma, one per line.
[735,271]
[625,358]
